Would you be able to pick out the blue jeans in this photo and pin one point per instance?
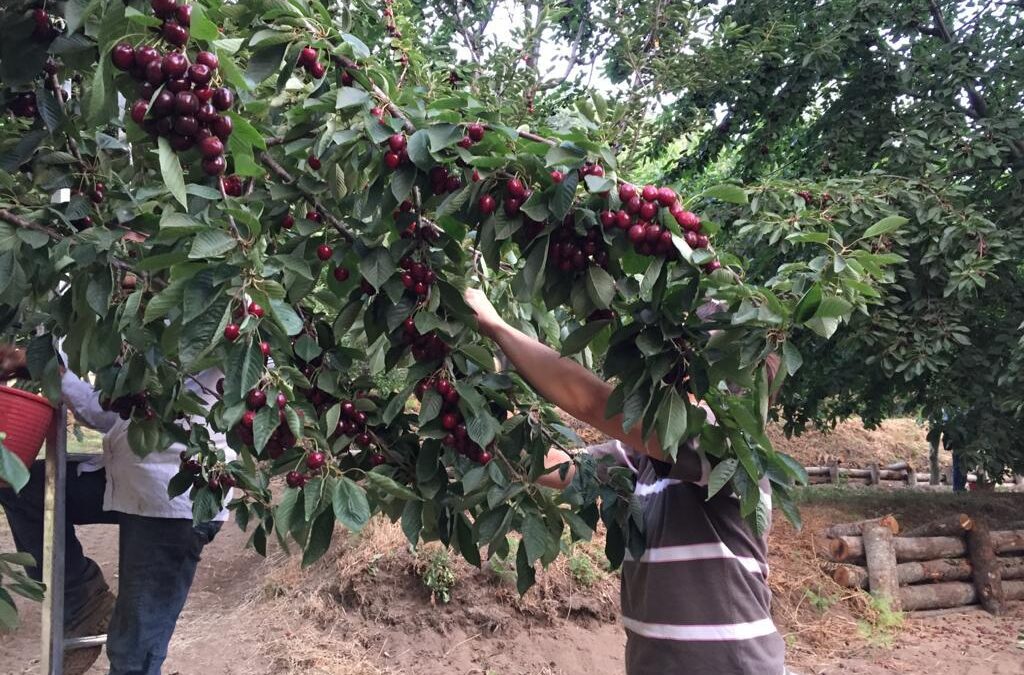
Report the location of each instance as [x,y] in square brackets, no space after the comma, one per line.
[157,560]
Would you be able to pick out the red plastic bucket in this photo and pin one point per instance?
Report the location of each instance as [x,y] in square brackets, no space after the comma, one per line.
[25,418]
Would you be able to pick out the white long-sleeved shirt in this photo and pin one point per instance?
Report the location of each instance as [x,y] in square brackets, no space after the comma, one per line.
[137,485]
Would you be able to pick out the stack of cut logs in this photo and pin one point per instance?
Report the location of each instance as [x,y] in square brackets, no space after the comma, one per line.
[955,561]
[897,474]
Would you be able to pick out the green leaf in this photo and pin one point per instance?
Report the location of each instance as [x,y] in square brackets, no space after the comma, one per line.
[351,507]
[582,336]
[430,408]
[720,475]
[885,226]
[651,277]
[359,48]
[388,486]
[671,422]
[725,192]
[791,358]
[350,97]
[419,151]
[412,522]
[211,244]
[377,267]
[537,539]
[563,195]
[808,304]
[246,132]
[12,470]
[264,62]
[286,317]
[170,169]
[201,27]
[319,541]
[600,287]
[526,575]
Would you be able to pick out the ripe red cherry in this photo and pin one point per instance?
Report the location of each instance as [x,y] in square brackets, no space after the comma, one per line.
[200,74]
[318,70]
[313,162]
[376,459]
[341,274]
[397,142]
[282,400]
[163,9]
[186,125]
[231,332]
[123,56]
[174,33]
[186,103]
[557,176]
[688,220]
[214,166]
[204,94]
[449,421]
[652,233]
[392,160]
[484,457]
[265,349]
[324,252]
[648,210]
[596,170]
[487,204]
[512,206]
[702,241]
[690,237]
[666,196]
[256,399]
[633,205]
[712,266]
[206,114]
[247,418]
[208,59]
[607,219]
[314,216]
[288,221]
[307,57]
[211,147]
[154,73]
[475,131]
[294,479]
[146,55]
[223,98]
[626,192]
[315,460]
[364,439]
[139,110]
[184,15]
[623,220]
[516,188]
[636,233]
[255,310]
[222,126]
[176,84]
[650,193]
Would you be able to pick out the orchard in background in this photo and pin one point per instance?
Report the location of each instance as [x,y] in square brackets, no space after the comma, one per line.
[292,193]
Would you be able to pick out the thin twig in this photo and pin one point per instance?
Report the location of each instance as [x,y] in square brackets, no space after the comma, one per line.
[58,93]
[18,221]
[231,218]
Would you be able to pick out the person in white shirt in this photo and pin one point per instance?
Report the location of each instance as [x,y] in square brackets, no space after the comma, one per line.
[159,546]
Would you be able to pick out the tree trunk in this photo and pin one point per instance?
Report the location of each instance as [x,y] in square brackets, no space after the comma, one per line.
[881,564]
[948,526]
[952,594]
[857,528]
[959,569]
[933,462]
[987,577]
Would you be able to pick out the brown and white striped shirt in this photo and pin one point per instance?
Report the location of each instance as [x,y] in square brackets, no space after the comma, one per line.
[697,601]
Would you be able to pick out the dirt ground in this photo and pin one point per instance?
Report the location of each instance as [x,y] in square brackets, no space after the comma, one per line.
[364,609]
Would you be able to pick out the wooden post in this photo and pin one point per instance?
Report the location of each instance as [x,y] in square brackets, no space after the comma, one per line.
[873,476]
[881,564]
[52,633]
[987,575]
[833,472]
[911,476]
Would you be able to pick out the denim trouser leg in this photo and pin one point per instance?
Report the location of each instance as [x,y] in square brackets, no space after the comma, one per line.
[84,498]
[158,559]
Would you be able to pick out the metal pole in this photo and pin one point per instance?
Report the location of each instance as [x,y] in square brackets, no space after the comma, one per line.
[54,524]
[85,642]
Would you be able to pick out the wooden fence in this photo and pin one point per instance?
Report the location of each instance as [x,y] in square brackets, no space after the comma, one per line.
[898,474]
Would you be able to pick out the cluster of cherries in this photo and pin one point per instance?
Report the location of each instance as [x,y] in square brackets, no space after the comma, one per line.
[23,104]
[417,276]
[233,330]
[425,347]
[441,181]
[474,134]
[129,406]
[217,479]
[309,61]
[176,20]
[398,153]
[44,29]
[569,251]
[176,100]
[451,419]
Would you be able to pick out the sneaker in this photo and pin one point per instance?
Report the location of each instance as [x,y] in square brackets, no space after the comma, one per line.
[92,620]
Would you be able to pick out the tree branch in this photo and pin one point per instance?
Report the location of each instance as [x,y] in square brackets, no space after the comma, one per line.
[285,177]
[18,221]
